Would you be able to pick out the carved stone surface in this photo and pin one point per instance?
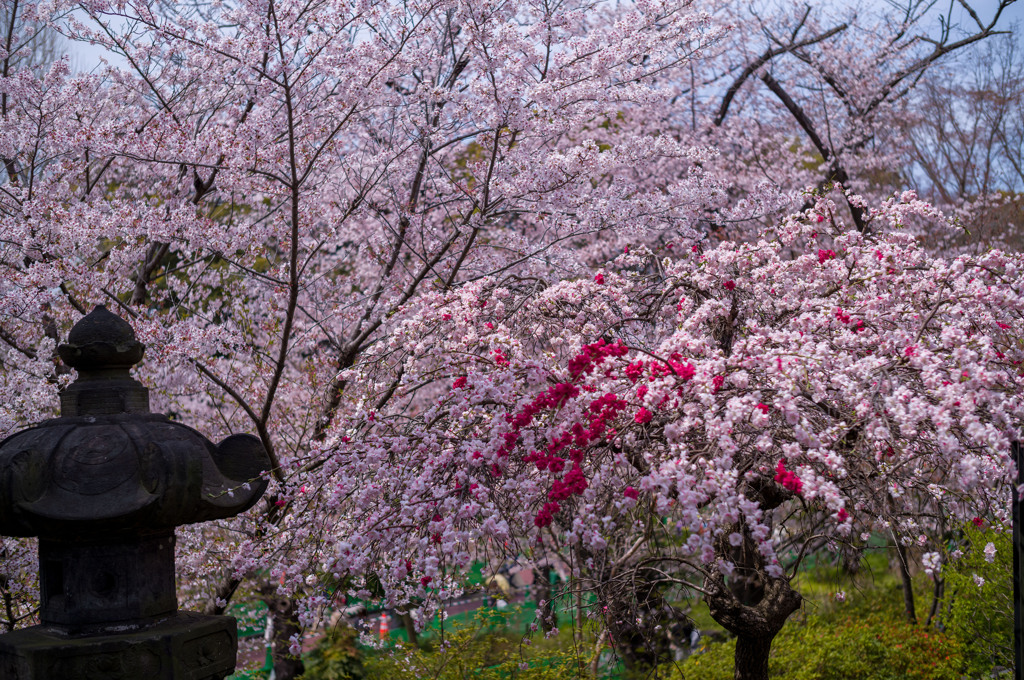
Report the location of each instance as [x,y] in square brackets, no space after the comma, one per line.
[86,585]
[103,487]
[108,465]
[183,646]
[123,472]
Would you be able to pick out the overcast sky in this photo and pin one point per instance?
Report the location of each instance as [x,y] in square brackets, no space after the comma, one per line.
[86,57]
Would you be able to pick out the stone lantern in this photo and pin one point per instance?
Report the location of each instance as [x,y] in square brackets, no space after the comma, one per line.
[103,487]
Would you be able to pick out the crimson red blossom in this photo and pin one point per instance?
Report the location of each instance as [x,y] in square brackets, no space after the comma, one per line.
[787,479]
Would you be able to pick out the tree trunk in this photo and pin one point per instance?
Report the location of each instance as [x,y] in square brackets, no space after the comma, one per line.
[284,612]
[937,592]
[752,605]
[756,625]
[410,628]
[542,586]
[751,658]
[908,584]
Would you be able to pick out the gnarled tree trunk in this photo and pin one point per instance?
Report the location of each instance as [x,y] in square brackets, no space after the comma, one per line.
[753,606]
[754,625]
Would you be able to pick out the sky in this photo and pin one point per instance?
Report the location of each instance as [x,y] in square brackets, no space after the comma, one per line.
[87,57]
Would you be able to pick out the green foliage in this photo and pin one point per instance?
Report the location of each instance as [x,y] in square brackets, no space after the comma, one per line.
[864,638]
[479,651]
[713,662]
[872,648]
[981,618]
[335,658]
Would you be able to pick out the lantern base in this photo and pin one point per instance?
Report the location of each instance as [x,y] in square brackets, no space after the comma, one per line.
[182,646]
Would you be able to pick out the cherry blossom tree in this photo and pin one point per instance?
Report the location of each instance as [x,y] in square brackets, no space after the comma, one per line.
[260,188]
[702,420]
[448,260]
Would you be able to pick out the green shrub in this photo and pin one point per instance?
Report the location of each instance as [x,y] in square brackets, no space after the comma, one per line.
[335,658]
[713,662]
[981,617]
[872,648]
[875,647]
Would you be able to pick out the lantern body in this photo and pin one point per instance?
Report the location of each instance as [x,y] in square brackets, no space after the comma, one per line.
[103,488]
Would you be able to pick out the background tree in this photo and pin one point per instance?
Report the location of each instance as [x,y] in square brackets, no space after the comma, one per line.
[964,141]
[805,94]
